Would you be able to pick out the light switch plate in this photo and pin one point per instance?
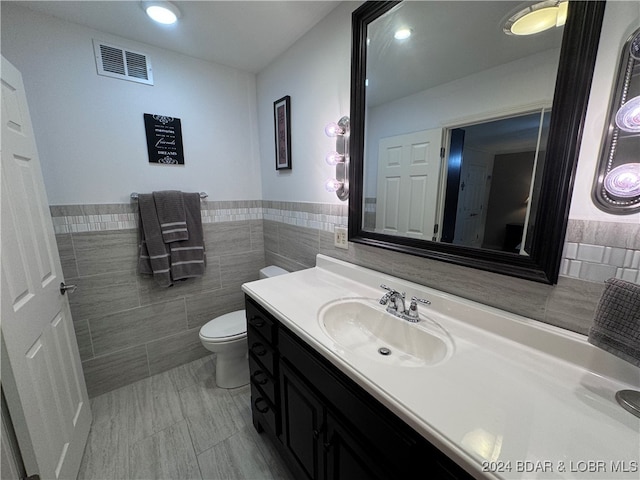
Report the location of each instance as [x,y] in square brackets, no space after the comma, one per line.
[340,238]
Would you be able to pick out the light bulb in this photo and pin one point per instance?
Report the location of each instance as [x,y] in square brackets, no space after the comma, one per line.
[402,34]
[333,129]
[334,158]
[624,181]
[332,185]
[162,12]
[628,116]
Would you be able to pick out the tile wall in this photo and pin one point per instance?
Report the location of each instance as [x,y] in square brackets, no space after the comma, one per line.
[128,329]
[570,304]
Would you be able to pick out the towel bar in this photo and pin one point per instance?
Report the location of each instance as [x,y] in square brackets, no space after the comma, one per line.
[134,195]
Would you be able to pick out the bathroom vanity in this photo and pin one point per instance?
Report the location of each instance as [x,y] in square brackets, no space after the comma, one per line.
[346,390]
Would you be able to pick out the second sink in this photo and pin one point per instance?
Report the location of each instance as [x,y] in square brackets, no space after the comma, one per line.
[361,327]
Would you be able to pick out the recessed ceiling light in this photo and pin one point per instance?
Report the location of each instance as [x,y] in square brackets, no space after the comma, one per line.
[402,33]
[537,18]
[162,12]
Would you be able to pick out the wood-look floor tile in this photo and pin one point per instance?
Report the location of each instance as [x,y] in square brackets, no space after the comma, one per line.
[155,406]
[211,413]
[274,461]
[167,454]
[106,455]
[154,428]
[191,373]
[237,457]
[242,398]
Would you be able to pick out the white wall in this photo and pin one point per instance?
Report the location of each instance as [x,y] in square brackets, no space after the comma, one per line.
[621,19]
[523,85]
[315,72]
[90,130]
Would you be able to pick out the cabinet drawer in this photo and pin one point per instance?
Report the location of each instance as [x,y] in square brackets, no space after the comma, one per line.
[263,353]
[259,322]
[262,379]
[263,409]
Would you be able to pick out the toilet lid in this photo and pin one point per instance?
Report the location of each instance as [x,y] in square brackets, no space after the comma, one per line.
[228,325]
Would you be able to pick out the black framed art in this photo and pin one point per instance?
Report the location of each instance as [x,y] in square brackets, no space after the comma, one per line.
[164,139]
[282,125]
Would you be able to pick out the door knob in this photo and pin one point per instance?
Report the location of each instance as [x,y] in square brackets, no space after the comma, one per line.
[67,288]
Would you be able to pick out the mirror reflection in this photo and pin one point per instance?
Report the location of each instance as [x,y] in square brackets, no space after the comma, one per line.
[457,116]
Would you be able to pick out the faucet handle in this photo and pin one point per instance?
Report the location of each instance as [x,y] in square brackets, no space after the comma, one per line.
[414,300]
[392,291]
[412,312]
[385,299]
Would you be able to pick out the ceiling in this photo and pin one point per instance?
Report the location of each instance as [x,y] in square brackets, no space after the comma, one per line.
[247,35]
[450,40]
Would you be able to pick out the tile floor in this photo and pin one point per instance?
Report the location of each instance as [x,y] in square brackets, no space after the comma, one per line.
[178,425]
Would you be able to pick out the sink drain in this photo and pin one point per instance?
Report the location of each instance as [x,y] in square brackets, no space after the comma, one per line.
[384,351]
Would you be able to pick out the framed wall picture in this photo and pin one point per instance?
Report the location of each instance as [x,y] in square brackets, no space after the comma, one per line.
[282,122]
[164,139]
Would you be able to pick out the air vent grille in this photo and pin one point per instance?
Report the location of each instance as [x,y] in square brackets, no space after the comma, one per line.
[137,65]
[116,62]
[112,60]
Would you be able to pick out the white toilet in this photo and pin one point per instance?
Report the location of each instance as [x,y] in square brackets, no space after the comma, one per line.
[226,335]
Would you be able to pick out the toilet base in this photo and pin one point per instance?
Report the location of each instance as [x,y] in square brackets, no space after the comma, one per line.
[232,370]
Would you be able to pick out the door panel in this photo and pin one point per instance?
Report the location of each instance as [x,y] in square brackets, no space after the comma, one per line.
[49,403]
[408,177]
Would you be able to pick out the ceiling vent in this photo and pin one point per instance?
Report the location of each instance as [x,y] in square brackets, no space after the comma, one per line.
[117,62]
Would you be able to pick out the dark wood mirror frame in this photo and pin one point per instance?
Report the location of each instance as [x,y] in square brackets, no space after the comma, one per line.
[573,84]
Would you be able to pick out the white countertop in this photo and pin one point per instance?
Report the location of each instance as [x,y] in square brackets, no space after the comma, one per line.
[517,399]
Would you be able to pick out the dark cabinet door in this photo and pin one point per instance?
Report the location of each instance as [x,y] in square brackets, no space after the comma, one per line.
[302,423]
[346,458]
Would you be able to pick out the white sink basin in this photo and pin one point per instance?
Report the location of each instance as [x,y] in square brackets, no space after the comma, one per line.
[364,328]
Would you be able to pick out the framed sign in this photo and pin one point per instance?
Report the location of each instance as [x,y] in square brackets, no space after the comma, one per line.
[164,139]
[282,120]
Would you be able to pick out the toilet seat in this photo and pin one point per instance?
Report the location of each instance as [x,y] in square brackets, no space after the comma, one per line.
[226,328]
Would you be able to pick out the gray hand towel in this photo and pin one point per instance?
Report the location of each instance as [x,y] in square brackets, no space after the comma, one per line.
[171,215]
[616,327]
[154,258]
[188,256]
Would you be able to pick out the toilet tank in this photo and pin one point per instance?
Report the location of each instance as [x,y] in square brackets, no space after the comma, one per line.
[271,271]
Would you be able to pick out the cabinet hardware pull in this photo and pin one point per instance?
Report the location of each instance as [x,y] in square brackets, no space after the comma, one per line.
[261,381]
[329,444]
[265,409]
[256,322]
[318,432]
[259,349]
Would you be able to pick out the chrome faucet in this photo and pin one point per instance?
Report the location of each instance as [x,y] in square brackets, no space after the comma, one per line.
[395,302]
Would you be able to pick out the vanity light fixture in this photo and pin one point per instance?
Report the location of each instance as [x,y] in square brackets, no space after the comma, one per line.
[162,12]
[537,18]
[339,158]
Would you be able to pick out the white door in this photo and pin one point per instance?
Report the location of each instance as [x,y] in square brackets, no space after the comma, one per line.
[472,198]
[48,400]
[408,175]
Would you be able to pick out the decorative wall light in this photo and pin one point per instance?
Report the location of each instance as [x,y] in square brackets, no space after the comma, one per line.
[339,158]
[616,186]
[537,18]
[162,12]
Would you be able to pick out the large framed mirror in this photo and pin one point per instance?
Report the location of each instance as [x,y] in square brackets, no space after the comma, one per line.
[464,136]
